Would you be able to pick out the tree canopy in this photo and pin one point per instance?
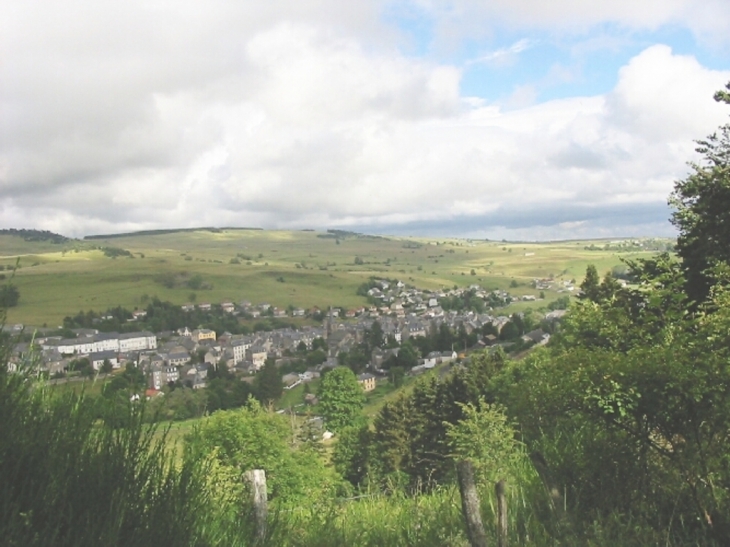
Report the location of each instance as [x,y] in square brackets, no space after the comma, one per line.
[701,204]
[9,296]
[340,399]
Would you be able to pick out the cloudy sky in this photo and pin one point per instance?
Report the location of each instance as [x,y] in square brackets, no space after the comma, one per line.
[517,119]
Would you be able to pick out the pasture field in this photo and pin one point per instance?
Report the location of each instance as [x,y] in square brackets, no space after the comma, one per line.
[284,268]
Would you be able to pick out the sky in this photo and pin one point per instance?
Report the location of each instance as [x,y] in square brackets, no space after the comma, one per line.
[498,119]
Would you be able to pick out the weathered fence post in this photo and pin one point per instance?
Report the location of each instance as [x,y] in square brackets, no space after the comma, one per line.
[501,514]
[470,504]
[257,484]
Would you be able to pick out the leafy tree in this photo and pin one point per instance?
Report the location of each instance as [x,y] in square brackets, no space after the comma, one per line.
[406,359]
[254,438]
[396,375]
[132,380]
[9,296]
[356,359]
[561,303]
[267,384]
[702,210]
[510,331]
[180,404]
[315,357]
[341,399]
[486,437]
[106,367]
[374,336]
[82,366]
[351,456]
[225,391]
[319,343]
[590,284]
[445,338]
[465,339]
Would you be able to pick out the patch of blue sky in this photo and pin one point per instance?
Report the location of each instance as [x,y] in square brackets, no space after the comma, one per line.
[683,42]
[512,66]
[584,66]
[414,24]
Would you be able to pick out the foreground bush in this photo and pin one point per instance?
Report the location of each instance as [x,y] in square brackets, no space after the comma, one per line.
[69,478]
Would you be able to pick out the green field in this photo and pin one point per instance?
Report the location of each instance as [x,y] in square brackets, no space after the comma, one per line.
[283,268]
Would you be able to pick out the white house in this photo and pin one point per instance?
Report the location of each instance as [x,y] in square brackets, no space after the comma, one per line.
[137,341]
[240,347]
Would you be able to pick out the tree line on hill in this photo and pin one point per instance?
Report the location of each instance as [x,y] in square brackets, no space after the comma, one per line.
[35,235]
[165,316]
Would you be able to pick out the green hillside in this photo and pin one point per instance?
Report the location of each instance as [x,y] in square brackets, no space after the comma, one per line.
[297,268]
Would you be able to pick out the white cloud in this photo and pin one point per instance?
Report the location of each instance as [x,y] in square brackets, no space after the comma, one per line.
[503,56]
[113,121]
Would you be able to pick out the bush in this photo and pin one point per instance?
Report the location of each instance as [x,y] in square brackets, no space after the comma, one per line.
[9,296]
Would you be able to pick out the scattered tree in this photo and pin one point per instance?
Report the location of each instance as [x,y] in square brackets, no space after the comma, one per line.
[9,296]
[341,399]
[267,384]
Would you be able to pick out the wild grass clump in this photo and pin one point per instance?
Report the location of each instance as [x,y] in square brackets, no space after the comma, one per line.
[69,478]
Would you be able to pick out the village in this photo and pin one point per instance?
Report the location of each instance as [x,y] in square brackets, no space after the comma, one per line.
[186,355]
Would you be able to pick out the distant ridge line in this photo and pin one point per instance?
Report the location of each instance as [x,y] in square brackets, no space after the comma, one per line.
[170,231]
[35,235]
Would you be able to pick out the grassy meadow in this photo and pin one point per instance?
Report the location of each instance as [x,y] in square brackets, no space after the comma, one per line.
[283,268]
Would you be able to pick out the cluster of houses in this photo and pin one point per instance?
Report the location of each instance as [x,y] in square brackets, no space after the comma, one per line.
[389,299]
[185,355]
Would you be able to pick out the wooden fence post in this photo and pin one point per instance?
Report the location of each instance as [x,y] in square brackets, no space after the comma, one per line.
[257,485]
[470,504]
[501,514]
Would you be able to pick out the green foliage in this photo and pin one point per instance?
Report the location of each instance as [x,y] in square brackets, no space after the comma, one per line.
[409,442]
[178,404]
[131,381]
[114,252]
[255,438]
[629,409]
[35,235]
[486,437]
[396,375]
[701,205]
[351,456]
[589,286]
[468,301]
[510,331]
[71,480]
[225,391]
[161,316]
[82,366]
[340,399]
[374,336]
[391,439]
[106,367]
[9,296]
[267,384]
[561,303]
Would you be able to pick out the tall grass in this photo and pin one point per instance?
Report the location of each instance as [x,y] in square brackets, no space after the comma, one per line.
[68,478]
[401,520]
